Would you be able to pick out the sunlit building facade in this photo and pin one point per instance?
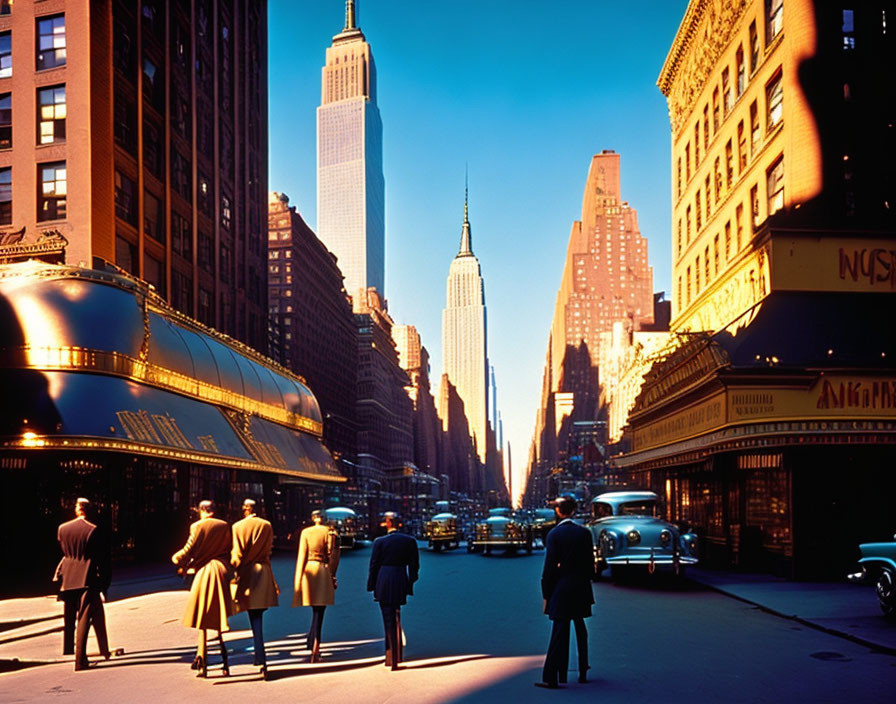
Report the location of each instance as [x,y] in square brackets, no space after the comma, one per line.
[464,344]
[350,183]
[774,416]
[138,132]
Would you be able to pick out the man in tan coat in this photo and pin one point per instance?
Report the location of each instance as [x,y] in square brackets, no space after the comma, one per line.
[315,579]
[256,590]
[207,551]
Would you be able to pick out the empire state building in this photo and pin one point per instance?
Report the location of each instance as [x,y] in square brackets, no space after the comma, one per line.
[464,358]
[350,184]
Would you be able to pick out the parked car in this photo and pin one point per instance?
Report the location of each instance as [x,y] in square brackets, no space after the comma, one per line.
[878,563]
[442,532]
[345,522]
[543,519]
[628,535]
[502,530]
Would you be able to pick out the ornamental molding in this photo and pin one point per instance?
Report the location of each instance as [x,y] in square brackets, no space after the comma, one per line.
[704,34]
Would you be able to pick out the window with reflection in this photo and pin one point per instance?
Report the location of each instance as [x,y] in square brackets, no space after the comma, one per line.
[774,19]
[125,198]
[51,114]
[50,42]
[5,54]
[53,189]
[6,196]
[774,96]
[5,120]
[775,186]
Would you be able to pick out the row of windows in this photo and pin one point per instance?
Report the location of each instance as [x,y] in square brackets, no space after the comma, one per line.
[50,52]
[720,181]
[698,276]
[51,193]
[51,114]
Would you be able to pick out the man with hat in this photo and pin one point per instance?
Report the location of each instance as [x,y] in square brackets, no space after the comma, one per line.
[207,551]
[315,579]
[566,588]
[84,577]
[394,567]
[256,590]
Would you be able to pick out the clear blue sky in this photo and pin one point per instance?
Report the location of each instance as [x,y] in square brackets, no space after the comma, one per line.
[523,91]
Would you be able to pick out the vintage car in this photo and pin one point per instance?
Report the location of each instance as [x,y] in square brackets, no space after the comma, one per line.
[345,522]
[501,529]
[628,535]
[878,563]
[542,520]
[442,532]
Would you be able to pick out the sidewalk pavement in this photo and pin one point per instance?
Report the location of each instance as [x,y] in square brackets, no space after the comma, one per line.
[842,608]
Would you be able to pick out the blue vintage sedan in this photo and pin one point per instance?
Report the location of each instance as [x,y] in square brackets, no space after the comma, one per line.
[629,536]
[878,563]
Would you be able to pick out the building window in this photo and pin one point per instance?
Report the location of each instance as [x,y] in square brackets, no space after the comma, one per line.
[154,273]
[680,299]
[687,220]
[715,111]
[679,238]
[726,91]
[125,198]
[741,148]
[754,205]
[125,112]
[754,48]
[53,189]
[50,42]
[687,162]
[739,226]
[689,285]
[677,179]
[775,186]
[124,46]
[727,240]
[226,212]
[708,191]
[715,255]
[126,255]
[51,116]
[706,129]
[741,71]
[206,245]
[697,275]
[5,120]
[181,236]
[153,85]
[696,145]
[153,217]
[774,96]
[706,271]
[6,196]
[729,165]
[153,149]
[204,195]
[5,7]
[849,37]
[181,292]
[697,210]
[181,178]
[717,171]
[5,54]
[774,19]
[754,128]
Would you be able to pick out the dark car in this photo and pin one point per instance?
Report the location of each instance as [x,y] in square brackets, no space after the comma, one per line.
[442,532]
[878,564]
[500,530]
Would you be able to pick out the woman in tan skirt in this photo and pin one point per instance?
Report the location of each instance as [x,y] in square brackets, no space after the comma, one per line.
[208,553]
[315,579]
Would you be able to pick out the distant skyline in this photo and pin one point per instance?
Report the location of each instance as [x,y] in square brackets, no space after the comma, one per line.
[525,93]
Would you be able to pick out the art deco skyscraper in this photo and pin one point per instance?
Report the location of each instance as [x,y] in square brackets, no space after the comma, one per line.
[464,357]
[350,185]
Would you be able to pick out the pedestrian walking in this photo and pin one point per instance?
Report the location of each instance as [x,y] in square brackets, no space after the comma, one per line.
[84,576]
[394,567]
[566,588]
[315,578]
[207,551]
[255,589]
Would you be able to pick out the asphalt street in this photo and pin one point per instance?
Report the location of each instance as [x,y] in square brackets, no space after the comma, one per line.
[474,634]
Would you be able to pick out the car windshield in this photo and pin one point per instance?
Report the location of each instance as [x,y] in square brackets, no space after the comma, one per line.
[637,508]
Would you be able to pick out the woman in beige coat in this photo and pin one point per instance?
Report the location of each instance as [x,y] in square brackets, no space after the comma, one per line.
[207,551]
[255,589]
[315,579]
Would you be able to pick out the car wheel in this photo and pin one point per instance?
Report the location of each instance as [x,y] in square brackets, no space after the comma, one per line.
[886,592]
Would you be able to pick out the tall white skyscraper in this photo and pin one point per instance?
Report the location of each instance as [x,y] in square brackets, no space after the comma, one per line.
[350,184]
[464,357]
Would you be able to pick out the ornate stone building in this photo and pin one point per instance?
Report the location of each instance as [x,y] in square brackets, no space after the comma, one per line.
[772,424]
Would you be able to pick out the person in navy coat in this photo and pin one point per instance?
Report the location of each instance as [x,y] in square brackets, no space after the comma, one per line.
[566,588]
[394,566]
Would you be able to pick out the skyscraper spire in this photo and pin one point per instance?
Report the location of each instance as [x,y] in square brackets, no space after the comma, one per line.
[349,15]
[466,238]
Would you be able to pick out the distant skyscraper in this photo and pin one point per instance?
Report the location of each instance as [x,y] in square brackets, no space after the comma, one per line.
[464,357]
[350,186]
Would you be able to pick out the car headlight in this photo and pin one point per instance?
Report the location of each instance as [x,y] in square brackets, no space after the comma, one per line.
[692,544]
[609,542]
[665,537]
[633,537]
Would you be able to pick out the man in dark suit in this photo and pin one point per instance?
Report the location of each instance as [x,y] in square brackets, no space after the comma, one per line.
[566,588]
[84,578]
[394,566]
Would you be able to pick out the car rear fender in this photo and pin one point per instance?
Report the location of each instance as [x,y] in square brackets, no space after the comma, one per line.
[876,564]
